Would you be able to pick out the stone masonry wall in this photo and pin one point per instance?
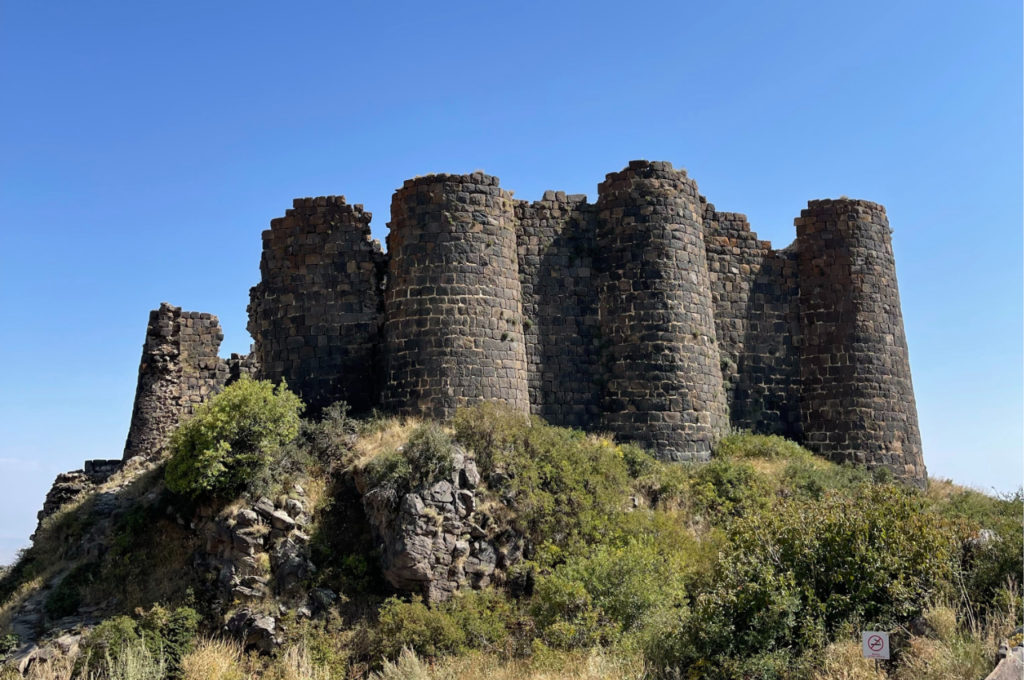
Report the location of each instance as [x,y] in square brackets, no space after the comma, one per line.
[664,380]
[179,369]
[649,314]
[453,331]
[755,292]
[857,397]
[315,316]
[556,242]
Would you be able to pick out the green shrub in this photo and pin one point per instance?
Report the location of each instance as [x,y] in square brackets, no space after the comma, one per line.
[728,487]
[991,569]
[794,573]
[429,452]
[639,463]
[425,458]
[328,438]
[488,429]
[812,478]
[230,438]
[471,620]
[747,445]
[593,599]
[108,640]
[8,643]
[167,635]
[565,490]
[170,633]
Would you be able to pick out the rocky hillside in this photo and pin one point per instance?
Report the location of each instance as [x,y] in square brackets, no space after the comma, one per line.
[261,544]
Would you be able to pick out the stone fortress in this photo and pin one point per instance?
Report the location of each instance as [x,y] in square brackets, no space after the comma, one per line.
[648,314]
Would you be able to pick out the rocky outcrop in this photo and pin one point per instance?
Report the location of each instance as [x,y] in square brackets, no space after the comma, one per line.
[436,539]
[258,549]
[70,486]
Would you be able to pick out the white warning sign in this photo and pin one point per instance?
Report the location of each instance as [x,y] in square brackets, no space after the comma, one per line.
[875,644]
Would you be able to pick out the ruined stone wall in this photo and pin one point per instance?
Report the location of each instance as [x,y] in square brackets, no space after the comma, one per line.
[316,313]
[857,397]
[755,293]
[649,314]
[453,329]
[661,361]
[178,370]
[556,241]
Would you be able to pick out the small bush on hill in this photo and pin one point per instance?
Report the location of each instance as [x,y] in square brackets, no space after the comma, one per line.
[564,489]
[329,438]
[811,478]
[168,635]
[230,438]
[747,445]
[793,574]
[728,487]
[490,430]
[425,457]
[594,599]
[472,620]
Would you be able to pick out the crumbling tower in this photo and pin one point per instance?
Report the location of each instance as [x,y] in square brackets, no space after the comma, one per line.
[857,400]
[316,312]
[179,369]
[663,380]
[453,326]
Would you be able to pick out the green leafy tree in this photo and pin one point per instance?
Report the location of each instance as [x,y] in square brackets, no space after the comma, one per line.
[231,438]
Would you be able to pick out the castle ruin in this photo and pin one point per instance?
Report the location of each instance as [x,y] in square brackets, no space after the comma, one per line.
[648,314]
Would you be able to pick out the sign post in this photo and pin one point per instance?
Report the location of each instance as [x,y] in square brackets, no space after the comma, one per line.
[874,645]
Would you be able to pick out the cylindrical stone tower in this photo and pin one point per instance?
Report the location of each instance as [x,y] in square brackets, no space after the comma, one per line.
[663,378]
[858,401]
[453,322]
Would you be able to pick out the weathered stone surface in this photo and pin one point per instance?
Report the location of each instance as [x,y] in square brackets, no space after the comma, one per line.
[425,545]
[857,400]
[453,330]
[279,519]
[649,314]
[1011,667]
[257,631]
[663,376]
[179,370]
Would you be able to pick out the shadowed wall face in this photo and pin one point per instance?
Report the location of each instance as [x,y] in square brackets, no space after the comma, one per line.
[661,360]
[756,296]
[557,247]
[453,332]
[316,313]
[857,396]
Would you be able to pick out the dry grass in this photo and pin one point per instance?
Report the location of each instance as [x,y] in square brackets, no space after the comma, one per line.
[296,664]
[951,650]
[24,591]
[214,660]
[941,490]
[964,657]
[59,668]
[843,660]
[593,665]
[315,489]
[385,435]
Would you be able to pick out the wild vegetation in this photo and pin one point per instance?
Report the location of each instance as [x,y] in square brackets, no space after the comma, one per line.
[764,563]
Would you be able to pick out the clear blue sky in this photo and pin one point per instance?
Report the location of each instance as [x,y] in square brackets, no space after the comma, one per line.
[144,146]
